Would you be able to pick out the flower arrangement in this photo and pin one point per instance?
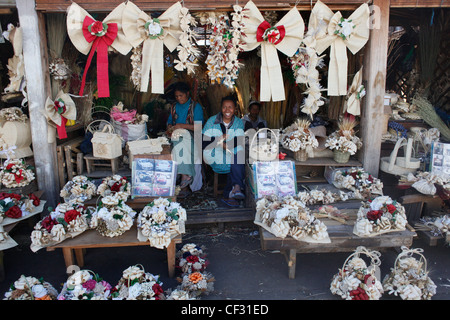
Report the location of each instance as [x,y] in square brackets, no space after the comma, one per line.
[78,190]
[409,278]
[67,220]
[58,69]
[378,216]
[357,281]
[197,283]
[289,216]
[187,51]
[85,285]
[16,173]
[191,258]
[115,185]
[298,136]
[16,206]
[178,294]
[31,288]
[160,221]
[344,139]
[436,225]
[13,114]
[136,284]
[119,114]
[225,44]
[322,196]
[357,179]
[112,216]
[429,183]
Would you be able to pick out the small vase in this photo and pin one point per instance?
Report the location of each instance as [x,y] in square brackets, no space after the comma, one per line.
[301,155]
[341,156]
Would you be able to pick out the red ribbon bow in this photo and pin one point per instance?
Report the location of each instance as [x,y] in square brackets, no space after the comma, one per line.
[62,133]
[100,44]
[262,29]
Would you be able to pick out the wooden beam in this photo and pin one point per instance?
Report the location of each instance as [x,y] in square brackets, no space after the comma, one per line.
[38,89]
[374,75]
[193,5]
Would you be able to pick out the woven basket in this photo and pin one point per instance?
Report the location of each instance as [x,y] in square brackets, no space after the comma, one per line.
[301,155]
[259,155]
[341,156]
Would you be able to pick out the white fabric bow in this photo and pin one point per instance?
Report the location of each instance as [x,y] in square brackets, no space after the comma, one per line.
[153,33]
[351,33]
[285,36]
[58,112]
[356,91]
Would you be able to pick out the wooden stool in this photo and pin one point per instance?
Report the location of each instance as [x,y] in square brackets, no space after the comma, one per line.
[216,184]
[92,162]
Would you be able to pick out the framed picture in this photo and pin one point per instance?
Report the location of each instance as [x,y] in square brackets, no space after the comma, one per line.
[274,178]
[440,158]
[153,177]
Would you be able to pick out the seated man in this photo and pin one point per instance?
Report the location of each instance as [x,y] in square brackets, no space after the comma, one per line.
[223,136]
[252,120]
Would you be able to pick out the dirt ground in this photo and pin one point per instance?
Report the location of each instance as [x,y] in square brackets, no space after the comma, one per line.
[242,270]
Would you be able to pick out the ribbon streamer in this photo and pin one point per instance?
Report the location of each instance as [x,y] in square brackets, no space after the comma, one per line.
[136,26]
[286,37]
[352,103]
[79,25]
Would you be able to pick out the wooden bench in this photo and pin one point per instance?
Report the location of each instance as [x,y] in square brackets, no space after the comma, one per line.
[93,239]
[342,240]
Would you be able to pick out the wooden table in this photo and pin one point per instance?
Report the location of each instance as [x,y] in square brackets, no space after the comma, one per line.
[93,239]
[342,240]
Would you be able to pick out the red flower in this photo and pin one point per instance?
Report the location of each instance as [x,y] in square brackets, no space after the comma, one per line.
[116,187]
[35,199]
[47,223]
[71,215]
[14,212]
[4,195]
[374,215]
[192,259]
[157,289]
[97,27]
[9,166]
[391,208]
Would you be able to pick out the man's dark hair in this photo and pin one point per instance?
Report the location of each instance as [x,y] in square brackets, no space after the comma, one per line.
[181,86]
[254,103]
[229,98]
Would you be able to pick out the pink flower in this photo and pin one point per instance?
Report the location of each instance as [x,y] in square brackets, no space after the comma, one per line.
[90,284]
[97,27]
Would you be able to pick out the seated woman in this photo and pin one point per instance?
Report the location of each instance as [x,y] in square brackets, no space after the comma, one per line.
[223,137]
[252,120]
[182,115]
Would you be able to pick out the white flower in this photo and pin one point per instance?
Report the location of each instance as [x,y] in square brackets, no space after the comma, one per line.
[39,291]
[346,27]
[134,291]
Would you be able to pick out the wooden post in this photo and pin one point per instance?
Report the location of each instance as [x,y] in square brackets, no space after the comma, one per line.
[374,75]
[38,89]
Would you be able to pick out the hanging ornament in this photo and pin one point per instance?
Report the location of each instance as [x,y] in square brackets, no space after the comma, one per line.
[59,111]
[90,36]
[341,33]
[285,36]
[152,34]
